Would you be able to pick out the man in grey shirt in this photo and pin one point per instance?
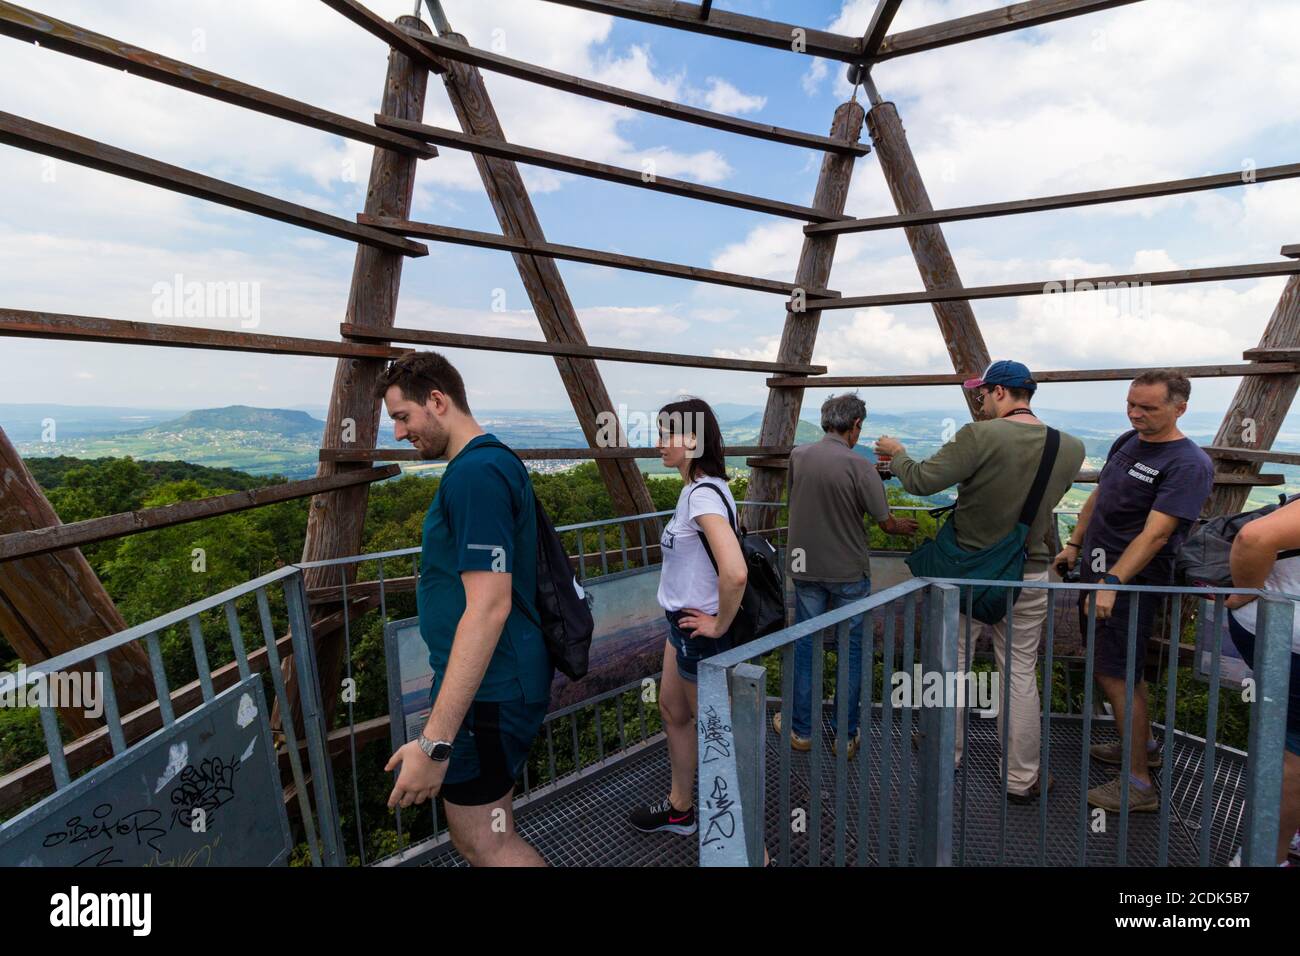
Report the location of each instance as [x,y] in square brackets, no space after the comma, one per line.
[832,488]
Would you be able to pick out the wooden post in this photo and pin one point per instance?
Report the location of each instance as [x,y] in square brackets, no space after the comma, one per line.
[336,520]
[961,333]
[1261,403]
[541,278]
[53,603]
[781,416]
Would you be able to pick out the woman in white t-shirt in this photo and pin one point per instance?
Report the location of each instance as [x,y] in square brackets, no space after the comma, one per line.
[699,601]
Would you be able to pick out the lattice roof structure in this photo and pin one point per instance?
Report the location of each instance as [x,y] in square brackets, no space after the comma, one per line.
[36,548]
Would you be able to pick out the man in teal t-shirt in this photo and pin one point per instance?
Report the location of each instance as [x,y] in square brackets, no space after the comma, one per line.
[478,577]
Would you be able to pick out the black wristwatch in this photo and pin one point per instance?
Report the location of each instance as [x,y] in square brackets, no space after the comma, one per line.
[1110,579]
[439,750]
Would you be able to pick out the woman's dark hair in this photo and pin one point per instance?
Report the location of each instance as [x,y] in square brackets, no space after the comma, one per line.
[694,416]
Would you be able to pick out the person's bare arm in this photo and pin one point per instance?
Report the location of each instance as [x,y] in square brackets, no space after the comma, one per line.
[732,576]
[1157,530]
[1255,548]
[487,605]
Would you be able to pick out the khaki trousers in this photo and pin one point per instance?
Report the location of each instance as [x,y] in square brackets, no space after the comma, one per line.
[1024,735]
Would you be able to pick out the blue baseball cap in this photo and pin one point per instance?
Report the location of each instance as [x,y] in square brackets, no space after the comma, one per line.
[1006,373]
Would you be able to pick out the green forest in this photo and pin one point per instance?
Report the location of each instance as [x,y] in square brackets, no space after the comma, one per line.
[152,573]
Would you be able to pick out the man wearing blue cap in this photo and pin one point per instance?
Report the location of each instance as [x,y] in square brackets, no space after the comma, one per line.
[993,463]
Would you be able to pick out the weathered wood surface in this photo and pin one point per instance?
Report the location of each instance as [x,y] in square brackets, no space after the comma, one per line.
[599,257]
[1255,415]
[542,282]
[497,148]
[53,603]
[1066,285]
[1056,375]
[534,454]
[799,334]
[33,27]
[39,138]
[58,536]
[581,86]
[336,521]
[961,333]
[21,323]
[464,340]
[1073,200]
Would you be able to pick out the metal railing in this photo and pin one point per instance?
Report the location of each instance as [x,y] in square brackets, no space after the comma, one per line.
[252,602]
[922,621]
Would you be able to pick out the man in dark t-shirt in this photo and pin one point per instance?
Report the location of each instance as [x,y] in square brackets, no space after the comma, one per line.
[476,599]
[1152,487]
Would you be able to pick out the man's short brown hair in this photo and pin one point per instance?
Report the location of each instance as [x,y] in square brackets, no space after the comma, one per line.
[419,373]
[1178,388]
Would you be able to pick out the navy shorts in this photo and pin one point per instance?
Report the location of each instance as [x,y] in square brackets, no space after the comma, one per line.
[490,750]
[1111,637]
[691,650]
[1245,642]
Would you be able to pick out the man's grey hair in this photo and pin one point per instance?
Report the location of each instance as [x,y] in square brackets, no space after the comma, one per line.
[839,412]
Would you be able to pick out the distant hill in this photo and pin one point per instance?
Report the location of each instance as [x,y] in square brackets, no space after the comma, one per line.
[275,421]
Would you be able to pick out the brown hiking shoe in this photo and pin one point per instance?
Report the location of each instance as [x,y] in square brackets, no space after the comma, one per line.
[802,744]
[854,742]
[1113,752]
[1107,796]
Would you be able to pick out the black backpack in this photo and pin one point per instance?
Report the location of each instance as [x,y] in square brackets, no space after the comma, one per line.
[1203,558]
[762,606]
[562,605]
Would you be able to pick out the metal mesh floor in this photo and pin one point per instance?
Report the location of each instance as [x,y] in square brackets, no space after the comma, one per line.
[585,823]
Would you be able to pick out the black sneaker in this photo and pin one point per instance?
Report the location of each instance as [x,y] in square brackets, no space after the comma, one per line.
[662,818]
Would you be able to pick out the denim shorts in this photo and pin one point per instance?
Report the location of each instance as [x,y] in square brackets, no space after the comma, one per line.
[691,650]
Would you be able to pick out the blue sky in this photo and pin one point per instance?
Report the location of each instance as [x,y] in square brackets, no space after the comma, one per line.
[1154,90]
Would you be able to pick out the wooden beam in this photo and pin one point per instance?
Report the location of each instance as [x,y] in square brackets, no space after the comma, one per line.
[497,148]
[1084,477]
[336,521]
[536,454]
[1257,270]
[1292,251]
[934,262]
[1254,418]
[1017,16]
[874,38]
[1093,197]
[544,285]
[51,604]
[799,332]
[1252,454]
[24,544]
[490,240]
[395,35]
[46,31]
[39,138]
[1063,375]
[574,350]
[1271,355]
[727,25]
[21,323]
[555,80]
